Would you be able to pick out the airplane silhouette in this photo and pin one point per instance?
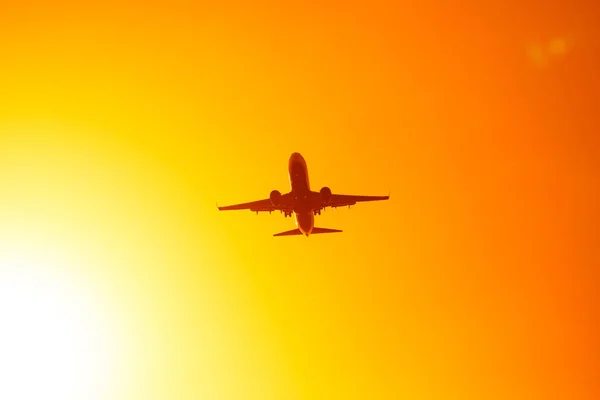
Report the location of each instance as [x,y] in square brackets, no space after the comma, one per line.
[301,201]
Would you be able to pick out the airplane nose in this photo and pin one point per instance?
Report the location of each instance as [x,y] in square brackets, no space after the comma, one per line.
[297,157]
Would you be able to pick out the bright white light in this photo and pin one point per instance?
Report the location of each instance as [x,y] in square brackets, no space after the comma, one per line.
[54,340]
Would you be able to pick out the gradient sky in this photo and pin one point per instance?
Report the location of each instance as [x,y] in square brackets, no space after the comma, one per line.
[121,126]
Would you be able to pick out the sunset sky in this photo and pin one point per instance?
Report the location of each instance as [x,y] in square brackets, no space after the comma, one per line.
[122,125]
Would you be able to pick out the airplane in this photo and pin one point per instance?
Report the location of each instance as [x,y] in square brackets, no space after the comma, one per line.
[302,202]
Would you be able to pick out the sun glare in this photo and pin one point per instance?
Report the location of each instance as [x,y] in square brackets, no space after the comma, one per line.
[55,342]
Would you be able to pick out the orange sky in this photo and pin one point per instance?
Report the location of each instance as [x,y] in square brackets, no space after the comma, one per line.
[122,125]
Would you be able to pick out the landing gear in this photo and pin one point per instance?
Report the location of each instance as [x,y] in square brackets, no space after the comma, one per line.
[317,212]
[287,213]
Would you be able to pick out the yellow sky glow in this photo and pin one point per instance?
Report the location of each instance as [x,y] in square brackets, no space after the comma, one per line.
[121,126]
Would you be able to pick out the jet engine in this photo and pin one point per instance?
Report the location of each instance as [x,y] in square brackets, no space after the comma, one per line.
[275,197]
[325,195]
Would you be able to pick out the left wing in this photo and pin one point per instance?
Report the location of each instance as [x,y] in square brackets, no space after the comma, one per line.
[340,200]
[261,205]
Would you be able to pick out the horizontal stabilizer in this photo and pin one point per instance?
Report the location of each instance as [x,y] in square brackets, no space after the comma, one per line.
[324,230]
[288,233]
[314,231]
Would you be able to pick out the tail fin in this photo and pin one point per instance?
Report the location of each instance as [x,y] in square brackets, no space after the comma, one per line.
[314,231]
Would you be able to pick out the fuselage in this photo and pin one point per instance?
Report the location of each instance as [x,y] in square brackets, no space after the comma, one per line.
[300,188]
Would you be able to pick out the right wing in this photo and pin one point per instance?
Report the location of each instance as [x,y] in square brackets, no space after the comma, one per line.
[260,205]
[339,200]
